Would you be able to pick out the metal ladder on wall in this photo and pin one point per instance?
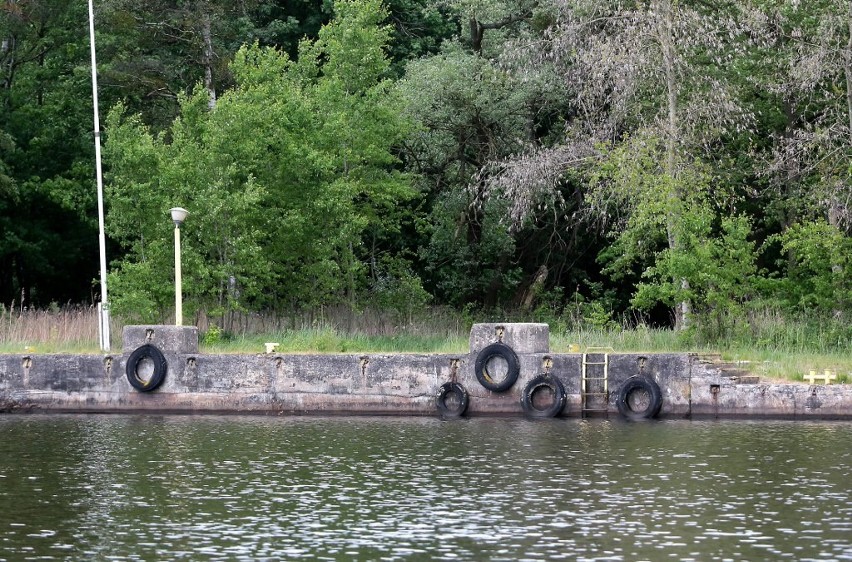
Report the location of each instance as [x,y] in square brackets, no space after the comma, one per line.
[594,386]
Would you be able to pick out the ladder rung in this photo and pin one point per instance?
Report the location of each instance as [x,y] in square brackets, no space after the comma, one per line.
[598,357]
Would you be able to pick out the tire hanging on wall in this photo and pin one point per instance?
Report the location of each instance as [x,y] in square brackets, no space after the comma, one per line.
[141,353]
[458,403]
[493,351]
[634,384]
[544,380]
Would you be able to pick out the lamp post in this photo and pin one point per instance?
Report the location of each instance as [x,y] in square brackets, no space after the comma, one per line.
[178,216]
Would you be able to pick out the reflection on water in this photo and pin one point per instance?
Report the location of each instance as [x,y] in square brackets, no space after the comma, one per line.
[253,488]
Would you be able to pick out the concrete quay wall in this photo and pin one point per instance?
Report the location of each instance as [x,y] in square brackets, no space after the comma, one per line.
[390,384]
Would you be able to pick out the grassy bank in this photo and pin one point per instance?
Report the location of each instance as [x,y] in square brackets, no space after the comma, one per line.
[767,362]
[772,362]
[777,351]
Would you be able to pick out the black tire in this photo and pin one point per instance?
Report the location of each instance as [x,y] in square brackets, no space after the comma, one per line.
[484,377]
[146,351]
[537,383]
[458,400]
[638,383]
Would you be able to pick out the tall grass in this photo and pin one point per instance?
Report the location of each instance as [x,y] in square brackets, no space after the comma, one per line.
[429,322]
[339,329]
[69,328]
[767,334]
[766,343]
[75,329]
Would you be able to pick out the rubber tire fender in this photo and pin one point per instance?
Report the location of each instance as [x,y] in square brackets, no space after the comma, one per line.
[631,385]
[446,390]
[541,381]
[490,352]
[161,366]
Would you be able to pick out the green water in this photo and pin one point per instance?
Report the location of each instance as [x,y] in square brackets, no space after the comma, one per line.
[264,488]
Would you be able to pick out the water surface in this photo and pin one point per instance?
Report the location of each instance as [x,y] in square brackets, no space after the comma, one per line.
[267,488]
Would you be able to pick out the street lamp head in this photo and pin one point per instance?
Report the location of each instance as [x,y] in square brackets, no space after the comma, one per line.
[178,215]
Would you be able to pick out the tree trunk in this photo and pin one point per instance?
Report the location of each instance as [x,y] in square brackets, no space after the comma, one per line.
[351,295]
[476,34]
[667,47]
[847,70]
[666,38]
[8,50]
[838,213]
[207,58]
[40,60]
[477,28]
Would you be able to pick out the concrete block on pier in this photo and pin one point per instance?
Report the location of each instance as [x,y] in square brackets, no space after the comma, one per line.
[522,337]
[178,340]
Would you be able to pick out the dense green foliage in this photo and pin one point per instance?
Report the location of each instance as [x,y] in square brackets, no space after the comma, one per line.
[661,162]
[285,178]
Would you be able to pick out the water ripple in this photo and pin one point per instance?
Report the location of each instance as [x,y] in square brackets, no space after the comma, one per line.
[243,488]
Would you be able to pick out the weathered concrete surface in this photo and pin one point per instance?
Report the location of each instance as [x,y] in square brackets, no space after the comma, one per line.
[522,337]
[385,384]
[196,382]
[781,400]
[168,339]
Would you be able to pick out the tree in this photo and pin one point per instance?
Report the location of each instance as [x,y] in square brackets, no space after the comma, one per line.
[645,76]
[720,271]
[48,220]
[814,42]
[469,113]
[820,254]
[227,269]
[483,108]
[493,16]
[283,175]
[154,50]
[419,27]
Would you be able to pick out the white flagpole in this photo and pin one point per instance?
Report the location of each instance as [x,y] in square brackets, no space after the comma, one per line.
[103,307]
